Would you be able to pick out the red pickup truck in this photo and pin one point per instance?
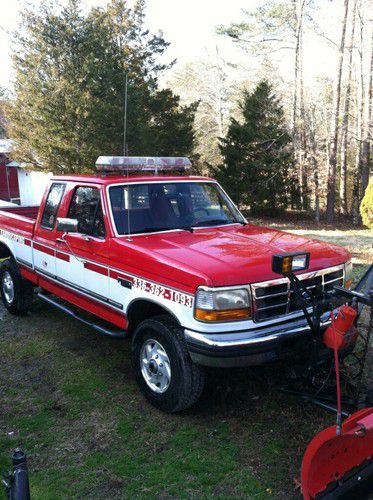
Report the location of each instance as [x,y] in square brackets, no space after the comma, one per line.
[168,260]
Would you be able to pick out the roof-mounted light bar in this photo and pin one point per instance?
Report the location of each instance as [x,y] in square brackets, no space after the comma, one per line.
[131,164]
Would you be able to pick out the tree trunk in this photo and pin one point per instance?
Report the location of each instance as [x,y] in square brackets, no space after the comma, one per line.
[356,179]
[314,163]
[365,146]
[346,121]
[298,103]
[316,181]
[303,136]
[219,94]
[296,71]
[330,201]
[359,127]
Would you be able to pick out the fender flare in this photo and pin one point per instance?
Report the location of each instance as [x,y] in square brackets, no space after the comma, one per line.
[154,302]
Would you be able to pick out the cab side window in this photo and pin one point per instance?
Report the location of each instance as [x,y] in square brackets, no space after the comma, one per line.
[87,209]
[52,205]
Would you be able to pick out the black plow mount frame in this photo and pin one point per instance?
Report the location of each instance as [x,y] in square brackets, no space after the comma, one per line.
[314,381]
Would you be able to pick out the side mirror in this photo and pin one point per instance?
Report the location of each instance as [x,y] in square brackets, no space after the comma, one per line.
[67,225]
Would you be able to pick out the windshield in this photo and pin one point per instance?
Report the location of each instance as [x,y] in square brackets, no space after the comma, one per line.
[141,208]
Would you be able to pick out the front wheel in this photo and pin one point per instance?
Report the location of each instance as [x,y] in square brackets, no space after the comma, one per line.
[167,376]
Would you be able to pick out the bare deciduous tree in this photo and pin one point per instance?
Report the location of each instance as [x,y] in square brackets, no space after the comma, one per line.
[330,202]
[299,133]
[346,119]
[366,125]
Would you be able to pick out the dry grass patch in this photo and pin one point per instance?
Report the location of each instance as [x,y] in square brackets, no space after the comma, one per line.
[357,241]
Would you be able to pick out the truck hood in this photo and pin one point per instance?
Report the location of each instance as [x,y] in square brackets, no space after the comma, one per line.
[235,254]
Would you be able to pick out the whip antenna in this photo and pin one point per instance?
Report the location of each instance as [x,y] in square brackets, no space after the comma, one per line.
[125,147]
[125,153]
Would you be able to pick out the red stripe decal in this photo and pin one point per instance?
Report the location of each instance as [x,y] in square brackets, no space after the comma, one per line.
[96,269]
[43,249]
[115,275]
[63,256]
[28,243]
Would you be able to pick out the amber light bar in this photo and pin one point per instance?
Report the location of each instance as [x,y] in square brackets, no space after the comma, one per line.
[130,164]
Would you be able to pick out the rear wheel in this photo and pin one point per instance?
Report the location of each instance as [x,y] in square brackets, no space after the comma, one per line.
[165,373]
[16,292]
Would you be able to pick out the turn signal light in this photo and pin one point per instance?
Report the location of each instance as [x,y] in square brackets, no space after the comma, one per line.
[227,315]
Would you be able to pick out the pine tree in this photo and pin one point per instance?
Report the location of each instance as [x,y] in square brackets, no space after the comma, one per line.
[4,105]
[70,89]
[257,154]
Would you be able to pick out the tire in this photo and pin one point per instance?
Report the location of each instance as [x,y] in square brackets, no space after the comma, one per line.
[16,292]
[180,381]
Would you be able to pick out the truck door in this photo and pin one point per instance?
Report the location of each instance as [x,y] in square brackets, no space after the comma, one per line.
[45,236]
[86,270]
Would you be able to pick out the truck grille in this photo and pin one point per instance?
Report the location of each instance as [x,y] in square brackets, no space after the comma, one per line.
[275,298]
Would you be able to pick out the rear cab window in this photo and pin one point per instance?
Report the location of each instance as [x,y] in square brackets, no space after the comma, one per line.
[52,205]
[86,208]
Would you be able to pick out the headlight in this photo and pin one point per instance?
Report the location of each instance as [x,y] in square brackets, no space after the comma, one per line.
[222,305]
[348,274]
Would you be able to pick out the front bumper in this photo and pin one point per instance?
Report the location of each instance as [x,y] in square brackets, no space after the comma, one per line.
[252,347]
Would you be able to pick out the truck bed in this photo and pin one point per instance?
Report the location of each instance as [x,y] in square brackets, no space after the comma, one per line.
[22,219]
[27,212]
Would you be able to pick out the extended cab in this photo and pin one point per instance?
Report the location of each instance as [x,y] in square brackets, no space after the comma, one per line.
[168,260]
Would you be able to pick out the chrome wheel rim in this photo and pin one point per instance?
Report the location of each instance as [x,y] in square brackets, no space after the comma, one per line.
[155,366]
[8,287]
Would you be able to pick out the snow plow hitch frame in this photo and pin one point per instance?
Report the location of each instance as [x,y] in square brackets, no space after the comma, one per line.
[338,463]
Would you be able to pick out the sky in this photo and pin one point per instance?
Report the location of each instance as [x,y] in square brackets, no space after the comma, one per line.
[189,26]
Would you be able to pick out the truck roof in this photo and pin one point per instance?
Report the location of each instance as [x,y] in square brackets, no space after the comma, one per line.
[115,179]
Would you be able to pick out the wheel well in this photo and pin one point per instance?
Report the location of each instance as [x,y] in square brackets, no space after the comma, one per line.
[4,251]
[140,310]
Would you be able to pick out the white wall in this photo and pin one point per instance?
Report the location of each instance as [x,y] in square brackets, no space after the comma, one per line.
[7,204]
[32,186]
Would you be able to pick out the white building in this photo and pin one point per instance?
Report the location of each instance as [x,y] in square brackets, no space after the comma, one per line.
[17,185]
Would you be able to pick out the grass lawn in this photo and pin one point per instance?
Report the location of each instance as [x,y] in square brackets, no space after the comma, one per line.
[69,399]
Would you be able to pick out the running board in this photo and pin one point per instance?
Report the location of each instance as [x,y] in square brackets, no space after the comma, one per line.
[101,329]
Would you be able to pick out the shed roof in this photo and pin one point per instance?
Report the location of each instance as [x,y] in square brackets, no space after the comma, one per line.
[6,145]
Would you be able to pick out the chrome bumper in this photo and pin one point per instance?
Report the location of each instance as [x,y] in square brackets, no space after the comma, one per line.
[256,346]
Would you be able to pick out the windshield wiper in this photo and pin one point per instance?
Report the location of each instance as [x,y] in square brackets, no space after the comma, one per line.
[206,222]
[156,229]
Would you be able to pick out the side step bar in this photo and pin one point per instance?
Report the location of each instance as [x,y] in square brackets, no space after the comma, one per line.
[101,329]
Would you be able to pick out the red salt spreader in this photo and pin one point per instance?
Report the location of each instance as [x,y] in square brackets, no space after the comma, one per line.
[338,462]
